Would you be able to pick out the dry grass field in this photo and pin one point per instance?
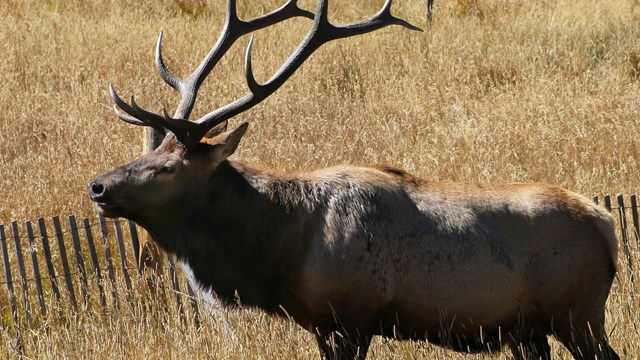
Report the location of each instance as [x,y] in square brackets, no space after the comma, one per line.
[494,91]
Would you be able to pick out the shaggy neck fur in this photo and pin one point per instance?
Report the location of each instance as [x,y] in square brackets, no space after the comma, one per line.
[245,236]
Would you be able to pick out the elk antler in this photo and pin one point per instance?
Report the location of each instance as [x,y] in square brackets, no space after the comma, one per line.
[188,132]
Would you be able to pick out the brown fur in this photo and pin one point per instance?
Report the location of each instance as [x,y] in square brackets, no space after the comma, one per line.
[365,251]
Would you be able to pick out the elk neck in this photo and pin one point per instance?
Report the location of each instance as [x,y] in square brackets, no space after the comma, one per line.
[246,230]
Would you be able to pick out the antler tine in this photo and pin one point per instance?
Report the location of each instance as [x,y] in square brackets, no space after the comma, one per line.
[136,115]
[320,33]
[130,115]
[166,75]
[127,118]
[381,19]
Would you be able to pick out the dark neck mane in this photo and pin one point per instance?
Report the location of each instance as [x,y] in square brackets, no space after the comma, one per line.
[248,233]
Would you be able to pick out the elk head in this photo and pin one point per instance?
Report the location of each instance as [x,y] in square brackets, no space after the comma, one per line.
[156,186]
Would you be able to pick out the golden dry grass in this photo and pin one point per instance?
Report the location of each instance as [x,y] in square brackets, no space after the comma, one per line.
[496,91]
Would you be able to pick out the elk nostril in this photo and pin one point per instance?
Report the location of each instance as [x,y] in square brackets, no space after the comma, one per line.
[97,188]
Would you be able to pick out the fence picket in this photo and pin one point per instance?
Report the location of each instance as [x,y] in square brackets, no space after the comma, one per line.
[194,305]
[47,256]
[73,225]
[176,287]
[33,249]
[135,243]
[65,262]
[12,294]
[94,261]
[8,277]
[636,221]
[107,255]
[607,202]
[23,273]
[622,215]
[123,255]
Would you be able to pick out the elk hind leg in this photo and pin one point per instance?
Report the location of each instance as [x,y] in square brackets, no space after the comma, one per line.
[585,336]
[585,343]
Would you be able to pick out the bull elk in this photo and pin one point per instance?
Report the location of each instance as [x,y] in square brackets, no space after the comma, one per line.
[350,252]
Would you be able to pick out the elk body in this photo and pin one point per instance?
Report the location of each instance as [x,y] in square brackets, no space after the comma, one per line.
[356,251]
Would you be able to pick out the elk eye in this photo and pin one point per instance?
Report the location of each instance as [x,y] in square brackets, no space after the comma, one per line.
[167,169]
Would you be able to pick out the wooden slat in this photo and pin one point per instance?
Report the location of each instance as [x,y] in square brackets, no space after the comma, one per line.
[107,255]
[12,294]
[135,243]
[622,215]
[123,254]
[23,273]
[194,305]
[48,259]
[33,249]
[636,220]
[607,202]
[176,287]
[77,249]
[9,278]
[65,262]
[94,261]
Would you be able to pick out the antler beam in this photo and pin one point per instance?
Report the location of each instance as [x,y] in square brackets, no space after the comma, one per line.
[188,132]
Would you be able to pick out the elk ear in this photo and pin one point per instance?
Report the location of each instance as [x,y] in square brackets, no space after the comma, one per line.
[225,144]
[217,130]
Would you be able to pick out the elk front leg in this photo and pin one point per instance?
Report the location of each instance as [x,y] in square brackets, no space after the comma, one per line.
[343,346]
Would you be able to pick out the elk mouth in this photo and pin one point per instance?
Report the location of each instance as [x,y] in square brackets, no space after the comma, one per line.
[110,210]
[107,204]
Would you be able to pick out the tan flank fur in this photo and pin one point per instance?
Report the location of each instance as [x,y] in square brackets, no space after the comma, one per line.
[356,251]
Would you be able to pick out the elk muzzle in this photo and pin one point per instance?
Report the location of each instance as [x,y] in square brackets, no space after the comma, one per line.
[104,191]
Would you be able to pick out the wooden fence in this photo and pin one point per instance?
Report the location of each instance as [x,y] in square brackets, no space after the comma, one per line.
[628,230]
[74,265]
